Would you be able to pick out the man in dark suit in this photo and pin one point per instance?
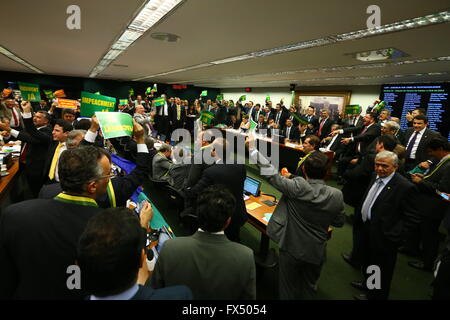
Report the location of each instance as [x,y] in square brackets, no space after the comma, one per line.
[416,138]
[162,119]
[300,223]
[123,279]
[364,135]
[256,111]
[387,213]
[325,122]
[232,176]
[207,262]
[121,188]
[51,227]
[177,115]
[281,116]
[431,206]
[357,179]
[261,125]
[57,146]
[36,139]
[313,121]
[290,132]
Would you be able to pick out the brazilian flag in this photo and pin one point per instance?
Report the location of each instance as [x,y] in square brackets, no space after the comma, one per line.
[299,118]
[206,117]
[352,109]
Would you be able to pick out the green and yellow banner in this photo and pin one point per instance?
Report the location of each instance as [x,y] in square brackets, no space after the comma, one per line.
[29,91]
[92,103]
[299,118]
[206,117]
[123,101]
[159,102]
[115,124]
[204,93]
[352,109]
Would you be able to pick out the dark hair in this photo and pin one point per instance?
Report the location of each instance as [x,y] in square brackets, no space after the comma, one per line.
[214,206]
[373,115]
[316,165]
[46,115]
[109,252]
[68,111]
[66,126]
[314,140]
[150,143]
[312,107]
[79,166]
[437,143]
[421,117]
[421,111]
[83,124]
[388,141]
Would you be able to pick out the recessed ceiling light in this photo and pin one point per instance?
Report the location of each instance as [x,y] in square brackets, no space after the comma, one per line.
[168,37]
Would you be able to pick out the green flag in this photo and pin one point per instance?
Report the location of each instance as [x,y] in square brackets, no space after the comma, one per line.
[115,124]
[352,109]
[49,94]
[243,98]
[299,118]
[154,89]
[159,102]
[253,125]
[91,103]
[379,106]
[131,92]
[149,89]
[267,98]
[206,117]
[292,97]
[29,91]
[231,103]
[123,101]
[204,93]
[219,97]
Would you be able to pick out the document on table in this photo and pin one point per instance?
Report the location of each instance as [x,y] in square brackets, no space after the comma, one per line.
[267,217]
[253,206]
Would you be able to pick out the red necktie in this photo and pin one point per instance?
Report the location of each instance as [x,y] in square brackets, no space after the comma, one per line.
[320,128]
[23,153]
[16,122]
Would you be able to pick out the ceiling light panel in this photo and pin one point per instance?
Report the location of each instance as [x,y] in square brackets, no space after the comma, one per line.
[17,59]
[152,12]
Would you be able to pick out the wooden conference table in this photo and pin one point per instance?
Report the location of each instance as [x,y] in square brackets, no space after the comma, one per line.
[8,181]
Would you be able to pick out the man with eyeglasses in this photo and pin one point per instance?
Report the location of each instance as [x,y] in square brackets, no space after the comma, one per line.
[39,237]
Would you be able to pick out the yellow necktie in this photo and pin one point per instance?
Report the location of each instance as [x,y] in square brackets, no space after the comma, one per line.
[51,173]
[178,112]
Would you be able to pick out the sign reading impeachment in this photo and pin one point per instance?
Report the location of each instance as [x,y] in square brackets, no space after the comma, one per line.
[92,103]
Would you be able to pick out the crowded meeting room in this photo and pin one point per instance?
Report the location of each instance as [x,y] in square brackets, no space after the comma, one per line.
[271,150]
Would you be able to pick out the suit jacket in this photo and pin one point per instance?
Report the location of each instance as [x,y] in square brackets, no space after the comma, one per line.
[7,113]
[301,219]
[326,128]
[284,115]
[160,168]
[261,126]
[232,176]
[313,120]
[38,242]
[38,143]
[393,214]
[294,134]
[173,114]
[124,186]
[365,138]
[212,266]
[421,154]
[169,293]
[429,203]
[48,161]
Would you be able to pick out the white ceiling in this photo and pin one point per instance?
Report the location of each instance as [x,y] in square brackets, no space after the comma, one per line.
[216,29]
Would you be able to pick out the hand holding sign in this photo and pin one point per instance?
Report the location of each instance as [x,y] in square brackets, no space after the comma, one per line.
[26,106]
[94,124]
[138,133]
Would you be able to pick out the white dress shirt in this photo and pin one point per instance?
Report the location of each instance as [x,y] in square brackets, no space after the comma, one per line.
[416,143]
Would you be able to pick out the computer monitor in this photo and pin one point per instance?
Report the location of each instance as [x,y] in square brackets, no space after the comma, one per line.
[251,186]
